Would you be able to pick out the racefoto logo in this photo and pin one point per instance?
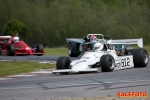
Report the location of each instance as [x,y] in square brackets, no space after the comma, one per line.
[131,94]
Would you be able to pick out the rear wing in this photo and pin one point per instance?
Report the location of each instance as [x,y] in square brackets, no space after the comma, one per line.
[78,40]
[139,42]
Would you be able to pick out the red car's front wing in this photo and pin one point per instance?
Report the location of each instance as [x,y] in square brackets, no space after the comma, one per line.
[28,52]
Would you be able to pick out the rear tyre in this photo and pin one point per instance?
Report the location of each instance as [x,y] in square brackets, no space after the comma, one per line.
[39,47]
[63,63]
[107,63]
[70,51]
[140,57]
[11,50]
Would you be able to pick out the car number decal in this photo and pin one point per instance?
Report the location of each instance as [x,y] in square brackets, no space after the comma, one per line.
[125,62]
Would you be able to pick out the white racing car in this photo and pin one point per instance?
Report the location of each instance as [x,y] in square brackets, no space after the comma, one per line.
[105,58]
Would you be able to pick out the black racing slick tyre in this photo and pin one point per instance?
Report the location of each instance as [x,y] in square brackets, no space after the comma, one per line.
[71,53]
[11,50]
[140,57]
[63,63]
[107,63]
[39,47]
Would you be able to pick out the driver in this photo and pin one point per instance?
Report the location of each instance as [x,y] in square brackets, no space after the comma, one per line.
[93,38]
[98,47]
[16,39]
[121,52]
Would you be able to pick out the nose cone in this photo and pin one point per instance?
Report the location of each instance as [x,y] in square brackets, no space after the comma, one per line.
[79,67]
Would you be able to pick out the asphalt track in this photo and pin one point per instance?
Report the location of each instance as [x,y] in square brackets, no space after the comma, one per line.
[29,58]
[50,86]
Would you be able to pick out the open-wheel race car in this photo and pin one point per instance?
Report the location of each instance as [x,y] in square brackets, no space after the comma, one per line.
[77,46]
[11,45]
[104,57]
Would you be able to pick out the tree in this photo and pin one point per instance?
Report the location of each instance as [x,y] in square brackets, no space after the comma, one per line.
[14,26]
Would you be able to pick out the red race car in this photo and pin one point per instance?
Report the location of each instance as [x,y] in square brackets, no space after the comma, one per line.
[11,45]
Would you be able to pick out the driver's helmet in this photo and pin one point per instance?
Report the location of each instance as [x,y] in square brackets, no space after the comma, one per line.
[98,46]
[93,38]
[16,39]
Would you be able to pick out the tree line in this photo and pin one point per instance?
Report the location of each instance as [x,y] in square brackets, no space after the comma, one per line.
[50,22]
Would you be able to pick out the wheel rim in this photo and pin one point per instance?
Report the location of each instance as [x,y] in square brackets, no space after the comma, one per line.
[67,64]
[145,58]
[111,63]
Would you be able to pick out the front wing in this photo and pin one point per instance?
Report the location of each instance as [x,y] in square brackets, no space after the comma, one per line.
[139,42]
[26,53]
[71,71]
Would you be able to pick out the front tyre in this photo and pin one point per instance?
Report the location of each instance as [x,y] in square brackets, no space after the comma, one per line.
[140,57]
[107,63]
[63,63]
[72,53]
[39,48]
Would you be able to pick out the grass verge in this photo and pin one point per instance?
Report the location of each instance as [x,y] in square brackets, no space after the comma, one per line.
[56,51]
[147,47]
[18,67]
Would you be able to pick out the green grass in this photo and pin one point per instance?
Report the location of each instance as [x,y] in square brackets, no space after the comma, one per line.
[11,68]
[56,51]
[147,47]
[18,67]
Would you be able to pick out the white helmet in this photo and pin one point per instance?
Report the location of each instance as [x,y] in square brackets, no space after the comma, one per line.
[98,47]
[16,39]
[93,38]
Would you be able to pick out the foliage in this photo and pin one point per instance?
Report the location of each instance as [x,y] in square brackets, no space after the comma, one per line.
[14,26]
[52,21]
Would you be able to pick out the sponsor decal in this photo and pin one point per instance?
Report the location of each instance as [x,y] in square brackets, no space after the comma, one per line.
[131,94]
